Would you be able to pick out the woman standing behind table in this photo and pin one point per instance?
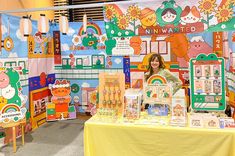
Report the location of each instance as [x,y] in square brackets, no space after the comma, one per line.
[157,66]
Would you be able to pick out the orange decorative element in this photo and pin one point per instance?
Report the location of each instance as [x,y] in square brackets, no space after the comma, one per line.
[179,45]
[61,98]
[148,18]
[110,12]
[143,66]
[135,43]
[224,13]
[133,12]
[207,6]
[218,43]
[233,37]
[153,38]
[60,91]
[123,21]
[93,97]
[43,79]
[154,96]
[156,79]
[3,102]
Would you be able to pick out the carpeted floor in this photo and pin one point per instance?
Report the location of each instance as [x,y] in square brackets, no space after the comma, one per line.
[60,138]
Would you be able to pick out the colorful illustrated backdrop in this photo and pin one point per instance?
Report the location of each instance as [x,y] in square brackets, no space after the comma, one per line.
[83,58]
[178,30]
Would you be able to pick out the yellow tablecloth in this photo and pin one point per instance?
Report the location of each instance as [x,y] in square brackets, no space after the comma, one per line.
[107,139]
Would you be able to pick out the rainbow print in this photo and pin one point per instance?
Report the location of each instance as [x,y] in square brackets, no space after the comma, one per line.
[156,79]
[10,108]
[91,26]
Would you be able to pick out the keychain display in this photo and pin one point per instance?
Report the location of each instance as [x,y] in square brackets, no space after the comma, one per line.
[207,83]
[111,91]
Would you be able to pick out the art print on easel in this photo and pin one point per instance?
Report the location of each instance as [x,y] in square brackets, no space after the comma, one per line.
[207,83]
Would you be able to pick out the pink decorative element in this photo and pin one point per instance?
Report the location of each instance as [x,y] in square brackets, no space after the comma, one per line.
[196,47]
[4,80]
[93,110]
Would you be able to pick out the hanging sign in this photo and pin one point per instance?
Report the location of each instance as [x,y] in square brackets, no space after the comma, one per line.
[57,52]
[218,43]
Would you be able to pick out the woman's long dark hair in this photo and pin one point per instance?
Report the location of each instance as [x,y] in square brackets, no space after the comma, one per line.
[150,69]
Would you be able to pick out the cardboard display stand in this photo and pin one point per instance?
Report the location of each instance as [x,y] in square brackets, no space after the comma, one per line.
[111,91]
[207,83]
[58,108]
[12,103]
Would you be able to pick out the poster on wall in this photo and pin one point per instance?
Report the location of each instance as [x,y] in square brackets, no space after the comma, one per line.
[77,40]
[167,17]
[13,43]
[40,46]
[207,83]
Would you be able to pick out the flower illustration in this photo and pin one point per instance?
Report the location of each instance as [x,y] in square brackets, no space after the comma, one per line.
[207,6]
[123,21]
[76,40]
[133,12]
[228,2]
[110,12]
[224,13]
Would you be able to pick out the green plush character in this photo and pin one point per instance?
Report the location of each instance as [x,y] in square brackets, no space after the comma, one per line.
[90,41]
[110,44]
[168,13]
